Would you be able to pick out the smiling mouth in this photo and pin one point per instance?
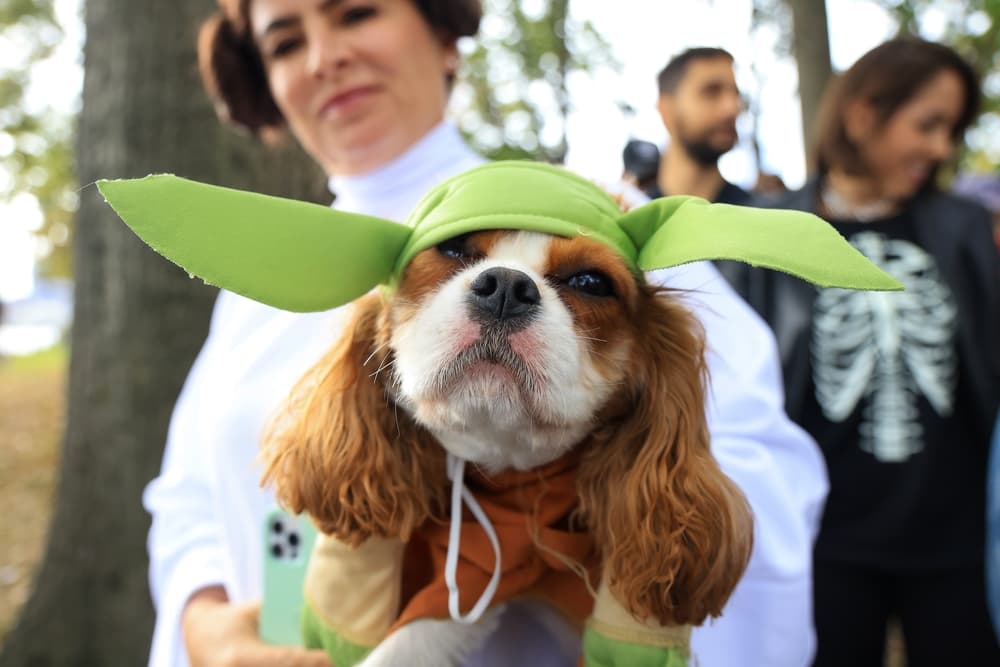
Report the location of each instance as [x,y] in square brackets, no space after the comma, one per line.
[347,101]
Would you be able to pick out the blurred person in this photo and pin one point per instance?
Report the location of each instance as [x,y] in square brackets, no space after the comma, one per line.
[699,104]
[641,160]
[362,85]
[900,390]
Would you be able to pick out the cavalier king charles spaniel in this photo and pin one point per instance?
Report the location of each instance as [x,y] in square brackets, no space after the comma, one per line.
[511,350]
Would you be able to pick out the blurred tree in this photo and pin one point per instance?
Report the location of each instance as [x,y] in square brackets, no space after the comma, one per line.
[811,44]
[973,28]
[512,98]
[35,138]
[802,24]
[138,323]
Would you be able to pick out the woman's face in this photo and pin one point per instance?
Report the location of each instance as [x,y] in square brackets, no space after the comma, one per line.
[904,151]
[358,81]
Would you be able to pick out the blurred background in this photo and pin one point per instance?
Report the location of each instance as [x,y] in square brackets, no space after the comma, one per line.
[554,80]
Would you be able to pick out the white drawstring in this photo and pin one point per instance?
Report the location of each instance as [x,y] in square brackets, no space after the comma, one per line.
[456,473]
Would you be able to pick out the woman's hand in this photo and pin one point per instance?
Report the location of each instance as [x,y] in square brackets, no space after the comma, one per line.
[220,634]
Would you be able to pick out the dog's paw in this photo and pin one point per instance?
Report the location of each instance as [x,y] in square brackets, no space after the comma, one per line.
[434,643]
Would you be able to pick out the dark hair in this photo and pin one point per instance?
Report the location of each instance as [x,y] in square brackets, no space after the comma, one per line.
[641,159]
[887,77]
[234,75]
[672,75]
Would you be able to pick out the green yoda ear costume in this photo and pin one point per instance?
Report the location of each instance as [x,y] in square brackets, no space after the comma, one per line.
[303,257]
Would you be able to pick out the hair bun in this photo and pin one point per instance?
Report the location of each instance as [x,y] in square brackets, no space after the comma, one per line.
[234,76]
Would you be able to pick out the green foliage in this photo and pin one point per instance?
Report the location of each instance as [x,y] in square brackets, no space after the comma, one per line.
[16,11]
[512,96]
[36,141]
[777,16]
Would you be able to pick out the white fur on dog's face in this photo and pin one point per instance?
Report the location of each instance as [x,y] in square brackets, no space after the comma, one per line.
[516,392]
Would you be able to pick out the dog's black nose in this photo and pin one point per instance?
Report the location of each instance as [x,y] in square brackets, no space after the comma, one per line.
[504,294]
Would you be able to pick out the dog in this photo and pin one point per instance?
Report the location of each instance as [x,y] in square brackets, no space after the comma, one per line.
[514,335]
[512,350]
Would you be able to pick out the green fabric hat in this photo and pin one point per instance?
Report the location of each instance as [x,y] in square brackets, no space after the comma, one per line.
[305,257]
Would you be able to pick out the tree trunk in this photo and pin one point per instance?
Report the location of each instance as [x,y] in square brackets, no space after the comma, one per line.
[138,323]
[811,39]
[559,15]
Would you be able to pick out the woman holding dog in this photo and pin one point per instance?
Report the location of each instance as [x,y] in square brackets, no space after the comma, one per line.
[363,86]
[899,390]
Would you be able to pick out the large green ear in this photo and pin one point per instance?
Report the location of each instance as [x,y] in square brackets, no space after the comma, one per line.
[676,230]
[288,254]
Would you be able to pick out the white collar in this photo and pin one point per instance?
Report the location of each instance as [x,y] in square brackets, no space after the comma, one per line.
[394,188]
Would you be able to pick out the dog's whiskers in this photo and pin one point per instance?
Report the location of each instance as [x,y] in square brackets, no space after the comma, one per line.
[384,364]
[606,356]
[593,339]
[374,352]
[395,416]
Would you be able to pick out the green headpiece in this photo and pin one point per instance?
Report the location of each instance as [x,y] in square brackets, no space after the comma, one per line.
[305,257]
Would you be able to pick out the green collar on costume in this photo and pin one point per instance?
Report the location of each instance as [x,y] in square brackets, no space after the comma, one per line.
[305,257]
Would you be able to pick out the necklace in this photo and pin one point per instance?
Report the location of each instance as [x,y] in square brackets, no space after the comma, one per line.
[838,207]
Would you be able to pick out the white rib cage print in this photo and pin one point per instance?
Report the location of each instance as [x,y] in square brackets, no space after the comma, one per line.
[891,346]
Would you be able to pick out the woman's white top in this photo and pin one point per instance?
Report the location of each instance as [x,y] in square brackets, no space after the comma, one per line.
[208,507]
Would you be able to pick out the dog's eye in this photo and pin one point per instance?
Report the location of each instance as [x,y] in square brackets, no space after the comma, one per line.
[593,283]
[455,248]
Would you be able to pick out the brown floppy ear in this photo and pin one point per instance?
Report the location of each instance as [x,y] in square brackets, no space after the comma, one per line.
[340,450]
[675,531]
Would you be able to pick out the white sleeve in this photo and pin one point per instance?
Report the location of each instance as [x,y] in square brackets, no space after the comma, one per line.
[184,543]
[768,619]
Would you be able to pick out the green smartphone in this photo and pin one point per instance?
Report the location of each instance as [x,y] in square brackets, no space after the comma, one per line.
[288,542]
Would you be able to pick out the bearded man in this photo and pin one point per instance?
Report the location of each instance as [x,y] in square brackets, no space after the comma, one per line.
[699,103]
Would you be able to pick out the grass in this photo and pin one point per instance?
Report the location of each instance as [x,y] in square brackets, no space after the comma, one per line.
[32,409]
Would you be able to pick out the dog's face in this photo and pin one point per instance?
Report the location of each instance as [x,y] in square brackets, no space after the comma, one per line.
[508,349]
[506,344]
